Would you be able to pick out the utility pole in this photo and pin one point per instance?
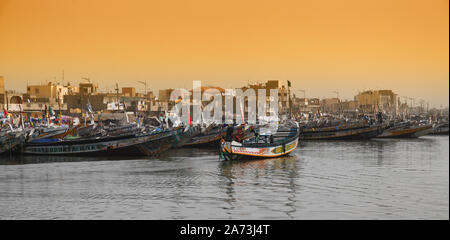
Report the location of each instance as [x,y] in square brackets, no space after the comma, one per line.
[117,96]
[304,97]
[59,105]
[145,94]
[7,101]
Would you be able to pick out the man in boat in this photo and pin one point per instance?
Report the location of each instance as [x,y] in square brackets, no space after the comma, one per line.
[255,131]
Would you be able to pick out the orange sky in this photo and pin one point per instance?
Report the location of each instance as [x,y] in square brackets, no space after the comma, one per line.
[321,46]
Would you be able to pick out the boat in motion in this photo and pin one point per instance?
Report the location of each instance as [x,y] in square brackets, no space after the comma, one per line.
[278,144]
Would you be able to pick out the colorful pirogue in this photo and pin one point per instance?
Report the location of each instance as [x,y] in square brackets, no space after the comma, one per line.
[147,144]
[278,144]
[128,139]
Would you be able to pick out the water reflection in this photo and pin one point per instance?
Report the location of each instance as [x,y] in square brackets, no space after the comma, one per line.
[258,174]
[19,159]
[377,179]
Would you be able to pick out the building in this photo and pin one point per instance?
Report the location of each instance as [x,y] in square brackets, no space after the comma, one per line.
[306,105]
[87,94]
[88,88]
[49,93]
[331,105]
[2,91]
[373,101]
[129,91]
[2,85]
[283,93]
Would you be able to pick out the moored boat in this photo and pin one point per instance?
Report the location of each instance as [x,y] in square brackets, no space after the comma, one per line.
[345,132]
[9,142]
[141,144]
[440,129]
[406,130]
[276,145]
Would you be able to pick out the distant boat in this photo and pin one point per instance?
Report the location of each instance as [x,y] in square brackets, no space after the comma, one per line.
[9,142]
[406,130]
[259,147]
[440,129]
[345,132]
[11,139]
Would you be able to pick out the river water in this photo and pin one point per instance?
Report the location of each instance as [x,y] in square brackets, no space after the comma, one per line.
[376,179]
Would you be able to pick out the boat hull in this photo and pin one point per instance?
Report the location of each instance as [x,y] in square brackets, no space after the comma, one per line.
[132,145]
[343,134]
[412,132]
[10,143]
[279,144]
[234,152]
[441,130]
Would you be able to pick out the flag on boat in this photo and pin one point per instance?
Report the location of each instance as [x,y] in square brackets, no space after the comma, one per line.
[50,111]
[89,107]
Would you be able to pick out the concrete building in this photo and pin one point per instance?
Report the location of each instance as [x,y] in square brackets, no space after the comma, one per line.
[283,93]
[2,90]
[129,91]
[306,105]
[373,101]
[88,88]
[330,105]
[52,93]
[2,85]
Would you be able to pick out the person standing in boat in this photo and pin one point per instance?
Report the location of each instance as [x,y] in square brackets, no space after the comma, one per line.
[255,131]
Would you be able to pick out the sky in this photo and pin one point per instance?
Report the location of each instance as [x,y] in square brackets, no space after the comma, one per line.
[320,46]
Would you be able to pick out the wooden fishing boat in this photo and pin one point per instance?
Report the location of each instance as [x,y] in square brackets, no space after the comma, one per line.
[142,144]
[9,142]
[351,132]
[279,144]
[440,129]
[46,133]
[11,138]
[406,130]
